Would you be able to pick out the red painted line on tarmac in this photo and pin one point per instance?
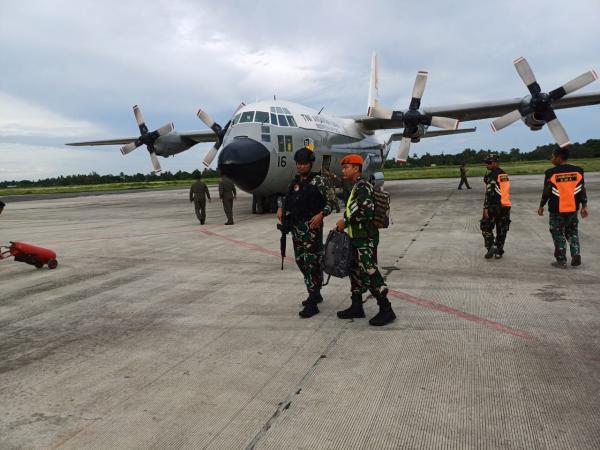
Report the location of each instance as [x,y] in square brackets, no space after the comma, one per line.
[458,313]
[257,248]
[400,295]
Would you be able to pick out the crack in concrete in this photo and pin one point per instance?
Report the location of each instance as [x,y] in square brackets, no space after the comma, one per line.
[287,402]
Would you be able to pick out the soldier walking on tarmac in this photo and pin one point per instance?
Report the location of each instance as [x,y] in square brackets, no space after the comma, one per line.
[496,208]
[227,194]
[306,203]
[463,177]
[198,194]
[357,220]
[564,190]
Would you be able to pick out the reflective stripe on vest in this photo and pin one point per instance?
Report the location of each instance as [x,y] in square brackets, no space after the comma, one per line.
[566,186]
[350,208]
[503,189]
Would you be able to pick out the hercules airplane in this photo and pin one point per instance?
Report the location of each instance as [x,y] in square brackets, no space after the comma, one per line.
[260,138]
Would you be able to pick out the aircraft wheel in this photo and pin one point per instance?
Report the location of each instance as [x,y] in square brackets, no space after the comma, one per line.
[52,264]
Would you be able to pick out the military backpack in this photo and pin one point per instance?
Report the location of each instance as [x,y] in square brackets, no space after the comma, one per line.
[381,199]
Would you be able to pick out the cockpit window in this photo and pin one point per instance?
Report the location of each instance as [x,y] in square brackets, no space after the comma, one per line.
[286,111]
[282,120]
[235,119]
[279,110]
[261,117]
[273,119]
[291,121]
[247,116]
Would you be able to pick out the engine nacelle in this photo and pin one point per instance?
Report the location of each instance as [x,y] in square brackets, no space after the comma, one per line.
[171,144]
[528,116]
[533,123]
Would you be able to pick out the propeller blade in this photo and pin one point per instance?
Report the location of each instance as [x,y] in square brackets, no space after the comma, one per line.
[165,129]
[525,71]
[506,120]
[208,121]
[138,115]
[559,133]
[573,85]
[380,112]
[139,118]
[403,149]
[420,83]
[445,123]
[210,156]
[240,106]
[155,162]
[129,147]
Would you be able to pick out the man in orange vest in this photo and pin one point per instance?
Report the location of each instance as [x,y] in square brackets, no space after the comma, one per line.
[496,208]
[564,190]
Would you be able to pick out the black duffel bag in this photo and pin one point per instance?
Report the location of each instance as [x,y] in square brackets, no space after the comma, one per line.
[337,257]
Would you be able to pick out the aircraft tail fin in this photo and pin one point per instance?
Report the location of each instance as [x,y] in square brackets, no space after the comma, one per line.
[374,85]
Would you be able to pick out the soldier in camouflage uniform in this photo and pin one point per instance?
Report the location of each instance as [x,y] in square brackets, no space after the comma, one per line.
[360,210]
[308,200]
[198,194]
[496,208]
[564,190]
[333,183]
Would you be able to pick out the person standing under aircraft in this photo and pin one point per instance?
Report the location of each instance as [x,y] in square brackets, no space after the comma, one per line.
[357,220]
[2,205]
[496,208]
[463,177]
[306,203]
[332,182]
[564,190]
[198,194]
[227,194]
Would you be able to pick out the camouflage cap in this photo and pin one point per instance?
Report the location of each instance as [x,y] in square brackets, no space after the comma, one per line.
[492,157]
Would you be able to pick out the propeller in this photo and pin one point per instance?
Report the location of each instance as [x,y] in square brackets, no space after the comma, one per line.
[147,138]
[219,131]
[413,118]
[540,103]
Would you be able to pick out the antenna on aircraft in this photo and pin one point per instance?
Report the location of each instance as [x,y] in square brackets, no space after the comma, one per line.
[274,97]
[319,113]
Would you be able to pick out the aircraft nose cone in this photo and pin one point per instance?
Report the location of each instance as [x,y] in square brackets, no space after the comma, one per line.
[245,162]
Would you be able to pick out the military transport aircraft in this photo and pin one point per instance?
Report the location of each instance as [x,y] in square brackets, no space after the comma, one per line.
[260,138]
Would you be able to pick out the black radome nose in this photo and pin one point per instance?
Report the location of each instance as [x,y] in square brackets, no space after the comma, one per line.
[245,162]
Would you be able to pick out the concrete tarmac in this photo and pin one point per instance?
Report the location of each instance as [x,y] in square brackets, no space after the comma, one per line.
[156,332]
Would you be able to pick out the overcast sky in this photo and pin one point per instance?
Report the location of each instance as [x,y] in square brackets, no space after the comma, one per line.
[72,70]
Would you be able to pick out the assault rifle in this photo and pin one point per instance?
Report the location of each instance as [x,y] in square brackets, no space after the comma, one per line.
[285,228]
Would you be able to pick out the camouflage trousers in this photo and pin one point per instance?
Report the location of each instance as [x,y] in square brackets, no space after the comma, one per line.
[563,228]
[200,208]
[364,274]
[308,250]
[499,218]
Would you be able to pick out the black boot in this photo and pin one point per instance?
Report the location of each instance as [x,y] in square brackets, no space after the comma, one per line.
[355,311]
[490,252]
[385,315]
[310,309]
[316,297]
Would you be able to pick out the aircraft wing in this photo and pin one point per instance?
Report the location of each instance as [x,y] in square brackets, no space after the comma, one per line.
[200,136]
[435,133]
[104,142]
[196,136]
[480,110]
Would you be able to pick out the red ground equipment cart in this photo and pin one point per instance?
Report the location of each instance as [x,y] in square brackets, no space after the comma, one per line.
[30,254]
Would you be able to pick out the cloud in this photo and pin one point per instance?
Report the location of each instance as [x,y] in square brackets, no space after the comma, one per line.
[80,66]
[19,118]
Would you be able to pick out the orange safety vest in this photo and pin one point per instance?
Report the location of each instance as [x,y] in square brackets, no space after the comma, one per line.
[503,189]
[566,186]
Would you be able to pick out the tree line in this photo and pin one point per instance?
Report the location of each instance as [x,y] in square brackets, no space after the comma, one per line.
[95,178]
[588,149]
